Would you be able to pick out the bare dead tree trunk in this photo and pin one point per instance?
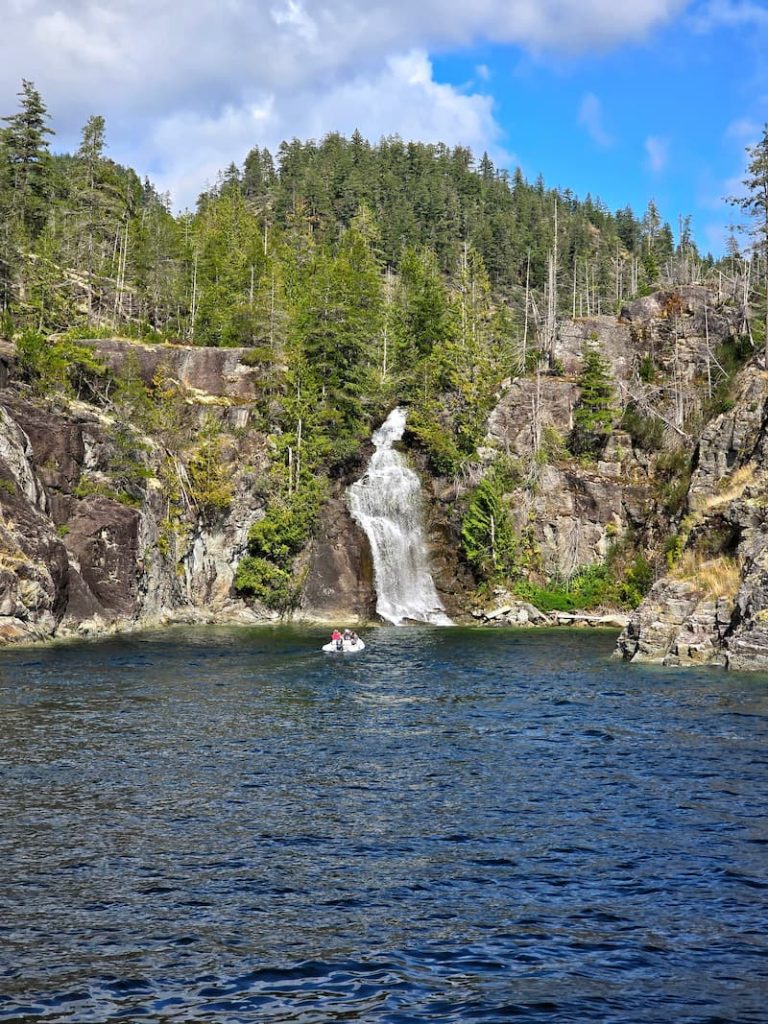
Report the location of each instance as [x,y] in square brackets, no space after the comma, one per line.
[193,302]
[527,301]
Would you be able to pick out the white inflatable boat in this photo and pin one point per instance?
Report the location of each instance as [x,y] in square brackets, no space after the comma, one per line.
[344,646]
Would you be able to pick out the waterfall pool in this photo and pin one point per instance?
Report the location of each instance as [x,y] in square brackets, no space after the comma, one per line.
[218,824]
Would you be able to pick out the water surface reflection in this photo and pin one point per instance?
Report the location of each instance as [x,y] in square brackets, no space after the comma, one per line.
[226,825]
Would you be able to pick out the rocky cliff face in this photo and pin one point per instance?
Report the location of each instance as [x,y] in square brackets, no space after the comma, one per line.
[573,512]
[74,558]
[339,583]
[713,605]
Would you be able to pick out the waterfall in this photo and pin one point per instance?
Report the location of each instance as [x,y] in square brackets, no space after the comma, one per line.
[386,502]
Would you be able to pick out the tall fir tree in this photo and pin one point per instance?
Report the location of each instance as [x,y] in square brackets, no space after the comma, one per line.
[595,411]
[755,205]
[27,160]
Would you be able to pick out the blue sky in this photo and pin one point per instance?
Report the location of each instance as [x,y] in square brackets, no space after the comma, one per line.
[666,118]
[628,101]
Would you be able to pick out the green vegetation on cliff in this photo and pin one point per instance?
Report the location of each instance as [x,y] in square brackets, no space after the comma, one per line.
[354,276]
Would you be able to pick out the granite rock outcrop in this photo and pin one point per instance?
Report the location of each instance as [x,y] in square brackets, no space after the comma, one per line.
[76,556]
[712,608]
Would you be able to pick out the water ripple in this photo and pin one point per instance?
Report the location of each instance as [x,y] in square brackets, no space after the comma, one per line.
[222,825]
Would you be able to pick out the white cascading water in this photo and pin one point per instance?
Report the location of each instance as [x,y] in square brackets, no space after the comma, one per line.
[386,502]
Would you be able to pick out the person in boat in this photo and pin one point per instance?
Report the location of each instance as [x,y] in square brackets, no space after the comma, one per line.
[353,637]
[347,634]
[335,635]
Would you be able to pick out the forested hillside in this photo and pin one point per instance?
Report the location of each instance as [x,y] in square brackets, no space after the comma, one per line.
[355,272]
[351,276]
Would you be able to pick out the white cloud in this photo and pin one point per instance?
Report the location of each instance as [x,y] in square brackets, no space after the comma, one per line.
[483,72]
[744,130]
[155,67]
[403,99]
[657,151]
[591,116]
[730,14]
[293,14]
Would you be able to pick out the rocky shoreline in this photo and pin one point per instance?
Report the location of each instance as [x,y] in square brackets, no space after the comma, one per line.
[522,613]
[78,560]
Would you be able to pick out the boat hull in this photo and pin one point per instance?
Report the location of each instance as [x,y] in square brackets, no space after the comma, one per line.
[347,647]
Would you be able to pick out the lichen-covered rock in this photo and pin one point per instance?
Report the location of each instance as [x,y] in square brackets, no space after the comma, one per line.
[734,439]
[655,625]
[511,425]
[699,640]
[219,372]
[748,649]
[747,643]
[575,514]
[511,611]
[728,516]
[84,564]
[615,340]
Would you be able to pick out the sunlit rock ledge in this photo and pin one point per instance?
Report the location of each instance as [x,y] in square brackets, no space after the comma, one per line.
[522,613]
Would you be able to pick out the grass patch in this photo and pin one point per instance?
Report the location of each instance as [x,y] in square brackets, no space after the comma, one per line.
[732,487]
[714,577]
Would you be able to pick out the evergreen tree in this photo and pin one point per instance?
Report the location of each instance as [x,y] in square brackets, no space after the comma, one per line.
[488,538]
[425,315]
[96,198]
[755,205]
[595,412]
[27,159]
[466,361]
[259,176]
[229,262]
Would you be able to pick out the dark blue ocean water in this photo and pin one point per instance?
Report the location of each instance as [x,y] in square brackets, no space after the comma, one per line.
[456,825]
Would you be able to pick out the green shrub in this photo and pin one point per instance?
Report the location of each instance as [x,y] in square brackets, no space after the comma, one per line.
[729,358]
[88,486]
[489,540]
[637,581]
[557,367]
[7,326]
[594,413]
[60,366]
[439,444]
[273,543]
[673,478]
[646,370]
[673,549]
[209,477]
[647,432]
[85,331]
[269,583]
[533,357]
[588,588]
[286,526]
[138,331]
[553,445]
[259,355]
[127,468]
